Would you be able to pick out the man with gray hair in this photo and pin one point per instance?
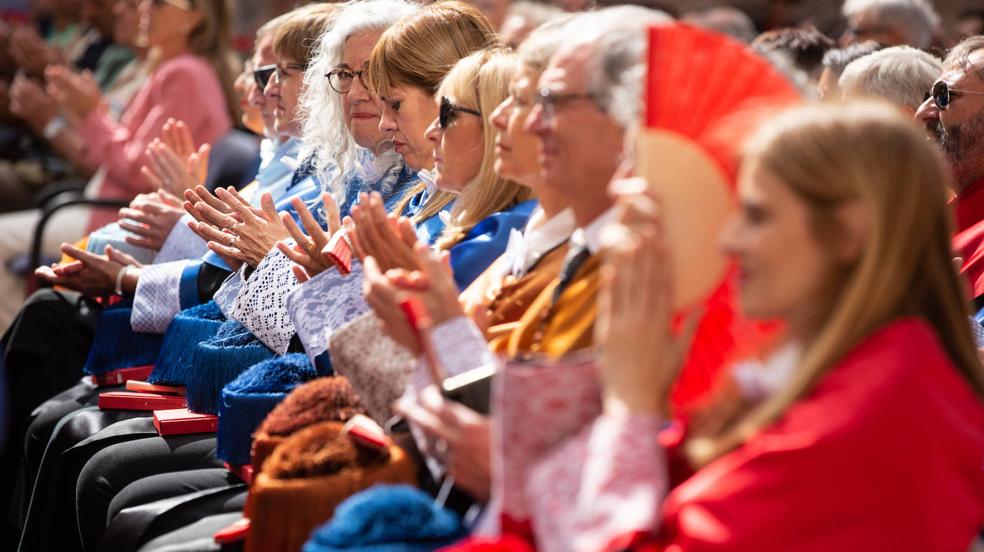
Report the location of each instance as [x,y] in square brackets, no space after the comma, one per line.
[890,22]
[589,95]
[834,63]
[900,75]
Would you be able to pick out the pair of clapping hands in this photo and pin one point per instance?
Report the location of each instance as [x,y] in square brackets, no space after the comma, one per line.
[65,92]
[640,352]
[174,165]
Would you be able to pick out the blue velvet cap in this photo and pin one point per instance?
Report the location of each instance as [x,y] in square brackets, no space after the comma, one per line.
[189,327]
[116,345]
[388,518]
[248,399]
[219,360]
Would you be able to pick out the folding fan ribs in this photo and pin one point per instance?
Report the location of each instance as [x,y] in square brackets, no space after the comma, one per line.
[705,95]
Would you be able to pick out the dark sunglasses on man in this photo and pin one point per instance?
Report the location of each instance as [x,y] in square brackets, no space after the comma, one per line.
[943,94]
[449,112]
[262,75]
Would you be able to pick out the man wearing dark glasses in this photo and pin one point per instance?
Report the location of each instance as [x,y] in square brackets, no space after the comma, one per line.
[953,115]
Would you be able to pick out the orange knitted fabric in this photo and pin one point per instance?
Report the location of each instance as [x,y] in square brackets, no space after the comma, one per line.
[306,477]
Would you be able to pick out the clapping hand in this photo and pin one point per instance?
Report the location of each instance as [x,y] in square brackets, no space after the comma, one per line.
[174,165]
[433,284]
[387,239]
[464,434]
[151,217]
[234,228]
[306,251]
[77,93]
[30,102]
[642,354]
[91,274]
[30,52]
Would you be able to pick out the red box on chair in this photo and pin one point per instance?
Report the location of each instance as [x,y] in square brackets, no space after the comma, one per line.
[144,387]
[129,400]
[123,375]
[181,421]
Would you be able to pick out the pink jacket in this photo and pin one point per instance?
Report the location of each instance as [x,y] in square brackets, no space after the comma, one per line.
[185,88]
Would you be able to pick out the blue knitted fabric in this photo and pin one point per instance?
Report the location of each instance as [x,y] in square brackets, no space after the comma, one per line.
[116,345]
[248,399]
[388,518]
[189,328]
[217,361]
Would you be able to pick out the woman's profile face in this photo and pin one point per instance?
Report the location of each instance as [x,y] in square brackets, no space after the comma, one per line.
[516,148]
[782,266]
[407,112]
[284,89]
[459,149]
[165,22]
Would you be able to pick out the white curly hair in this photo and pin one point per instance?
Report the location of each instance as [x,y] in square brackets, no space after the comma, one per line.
[325,138]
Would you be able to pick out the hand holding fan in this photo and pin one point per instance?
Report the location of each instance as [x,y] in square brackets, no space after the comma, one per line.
[705,95]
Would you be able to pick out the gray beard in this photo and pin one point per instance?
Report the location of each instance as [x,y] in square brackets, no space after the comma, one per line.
[963,146]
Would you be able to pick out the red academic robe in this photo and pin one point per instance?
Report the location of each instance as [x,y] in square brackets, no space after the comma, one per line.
[968,242]
[886,453]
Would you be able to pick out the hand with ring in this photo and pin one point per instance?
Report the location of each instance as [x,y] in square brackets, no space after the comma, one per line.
[257,230]
[306,251]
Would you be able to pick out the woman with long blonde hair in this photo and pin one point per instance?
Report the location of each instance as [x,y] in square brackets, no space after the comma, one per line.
[488,206]
[863,430]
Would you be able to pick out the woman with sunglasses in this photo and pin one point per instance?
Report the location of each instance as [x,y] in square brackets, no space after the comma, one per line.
[863,429]
[499,297]
[464,142]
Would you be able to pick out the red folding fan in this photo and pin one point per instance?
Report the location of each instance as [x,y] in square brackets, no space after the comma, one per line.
[705,95]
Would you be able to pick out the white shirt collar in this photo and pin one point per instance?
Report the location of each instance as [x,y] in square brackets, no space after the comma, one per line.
[759,379]
[539,238]
[590,235]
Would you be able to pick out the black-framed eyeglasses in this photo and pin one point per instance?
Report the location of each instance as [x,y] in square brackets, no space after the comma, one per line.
[943,94]
[550,100]
[449,112]
[340,80]
[262,75]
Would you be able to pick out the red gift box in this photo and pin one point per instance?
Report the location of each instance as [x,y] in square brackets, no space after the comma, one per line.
[129,400]
[234,533]
[242,471]
[340,253]
[144,387]
[181,421]
[122,375]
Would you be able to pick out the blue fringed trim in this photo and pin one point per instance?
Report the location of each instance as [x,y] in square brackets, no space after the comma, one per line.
[388,518]
[116,345]
[218,361]
[248,399]
[239,416]
[189,328]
